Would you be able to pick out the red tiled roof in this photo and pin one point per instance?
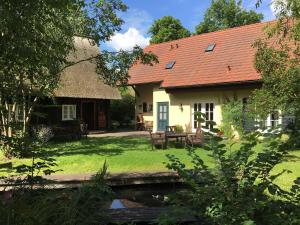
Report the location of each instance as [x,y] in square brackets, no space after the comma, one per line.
[231,61]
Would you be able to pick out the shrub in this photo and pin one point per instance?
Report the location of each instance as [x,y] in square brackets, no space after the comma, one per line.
[241,189]
[178,129]
[42,133]
[233,117]
[85,205]
[123,110]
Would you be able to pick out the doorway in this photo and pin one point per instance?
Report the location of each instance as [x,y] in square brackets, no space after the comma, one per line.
[88,114]
[162,115]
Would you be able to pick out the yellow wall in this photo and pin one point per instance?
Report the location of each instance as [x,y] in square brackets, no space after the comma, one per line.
[144,94]
[183,115]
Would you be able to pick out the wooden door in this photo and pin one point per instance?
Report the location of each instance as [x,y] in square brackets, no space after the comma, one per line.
[101,116]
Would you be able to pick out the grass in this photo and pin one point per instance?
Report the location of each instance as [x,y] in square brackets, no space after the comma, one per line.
[122,154]
[125,154]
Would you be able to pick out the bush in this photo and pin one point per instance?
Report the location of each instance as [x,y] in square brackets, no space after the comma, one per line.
[178,129]
[233,118]
[241,189]
[123,110]
[83,206]
[42,133]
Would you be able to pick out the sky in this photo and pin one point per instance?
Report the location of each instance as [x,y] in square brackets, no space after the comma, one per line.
[142,13]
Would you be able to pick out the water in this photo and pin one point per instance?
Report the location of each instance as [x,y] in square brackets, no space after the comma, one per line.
[139,196]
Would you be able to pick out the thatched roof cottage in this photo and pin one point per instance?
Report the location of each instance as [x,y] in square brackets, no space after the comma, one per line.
[82,95]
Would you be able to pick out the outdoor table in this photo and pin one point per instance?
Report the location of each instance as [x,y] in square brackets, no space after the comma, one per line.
[180,136]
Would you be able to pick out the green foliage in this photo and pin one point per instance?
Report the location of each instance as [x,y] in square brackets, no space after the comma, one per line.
[241,189]
[113,67]
[178,129]
[277,59]
[232,117]
[224,14]
[123,110]
[85,205]
[36,38]
[166,29]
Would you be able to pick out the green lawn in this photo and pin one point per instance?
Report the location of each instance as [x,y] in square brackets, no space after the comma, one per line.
[132,155]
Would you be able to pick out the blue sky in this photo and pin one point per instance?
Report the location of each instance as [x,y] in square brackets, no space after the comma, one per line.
[142,13]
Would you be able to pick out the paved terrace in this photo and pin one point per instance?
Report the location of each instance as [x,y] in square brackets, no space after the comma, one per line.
[121,134]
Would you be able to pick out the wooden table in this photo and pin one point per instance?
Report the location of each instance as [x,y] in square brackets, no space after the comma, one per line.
[177,136]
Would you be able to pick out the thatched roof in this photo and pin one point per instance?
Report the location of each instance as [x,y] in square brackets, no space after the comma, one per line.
[81,80]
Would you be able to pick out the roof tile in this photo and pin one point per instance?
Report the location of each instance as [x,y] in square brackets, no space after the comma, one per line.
[195,67]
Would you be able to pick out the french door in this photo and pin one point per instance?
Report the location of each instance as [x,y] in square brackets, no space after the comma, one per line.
[162,115]
[206,108]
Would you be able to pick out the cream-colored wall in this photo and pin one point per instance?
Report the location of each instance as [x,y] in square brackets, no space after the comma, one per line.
[145,94]
[183,115]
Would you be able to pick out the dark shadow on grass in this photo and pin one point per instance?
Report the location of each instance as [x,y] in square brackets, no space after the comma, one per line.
[106,146]
[291,158]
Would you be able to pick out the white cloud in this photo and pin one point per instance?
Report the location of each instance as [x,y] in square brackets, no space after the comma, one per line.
[137,18]
[128,40]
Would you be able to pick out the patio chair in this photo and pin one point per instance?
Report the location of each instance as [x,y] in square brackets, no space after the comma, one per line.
[148,125]
[171,129]
[84,129]
[195,139]
[157,139]
[140,123]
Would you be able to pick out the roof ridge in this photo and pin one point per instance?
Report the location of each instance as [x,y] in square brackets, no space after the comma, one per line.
[204,34]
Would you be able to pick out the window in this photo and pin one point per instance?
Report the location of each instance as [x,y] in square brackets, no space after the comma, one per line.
[68,112]
[170,64]
[209,114]
[248,121]
[207,109]
[274,119]
[150,108]
[145,109]
[197,108]
[210,48]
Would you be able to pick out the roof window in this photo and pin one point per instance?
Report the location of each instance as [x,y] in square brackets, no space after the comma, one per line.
[170,65]
[210,47]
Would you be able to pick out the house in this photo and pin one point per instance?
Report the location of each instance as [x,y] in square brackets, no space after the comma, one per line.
[81,95]
[197,74]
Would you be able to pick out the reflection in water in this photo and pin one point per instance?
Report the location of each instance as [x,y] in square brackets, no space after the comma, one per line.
[125,203]
[117,204]
[151,195]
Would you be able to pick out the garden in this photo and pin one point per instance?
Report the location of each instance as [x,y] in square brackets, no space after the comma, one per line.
[250,180]
[134,154]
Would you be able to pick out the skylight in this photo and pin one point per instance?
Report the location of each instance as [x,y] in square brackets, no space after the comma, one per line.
[170,64]
[210,47]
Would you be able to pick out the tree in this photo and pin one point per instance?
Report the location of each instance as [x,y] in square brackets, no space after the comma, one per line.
[278,61]
[224,14]
[167,28]
[35,41]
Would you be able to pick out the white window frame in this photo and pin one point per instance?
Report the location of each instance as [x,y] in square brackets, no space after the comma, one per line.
[278,121]
[268,122]
[203,110]
[66,115]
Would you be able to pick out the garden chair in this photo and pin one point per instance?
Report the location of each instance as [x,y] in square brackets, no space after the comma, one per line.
[170,129]
[157,139]
[195,139]
[84,129]
[140,123]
